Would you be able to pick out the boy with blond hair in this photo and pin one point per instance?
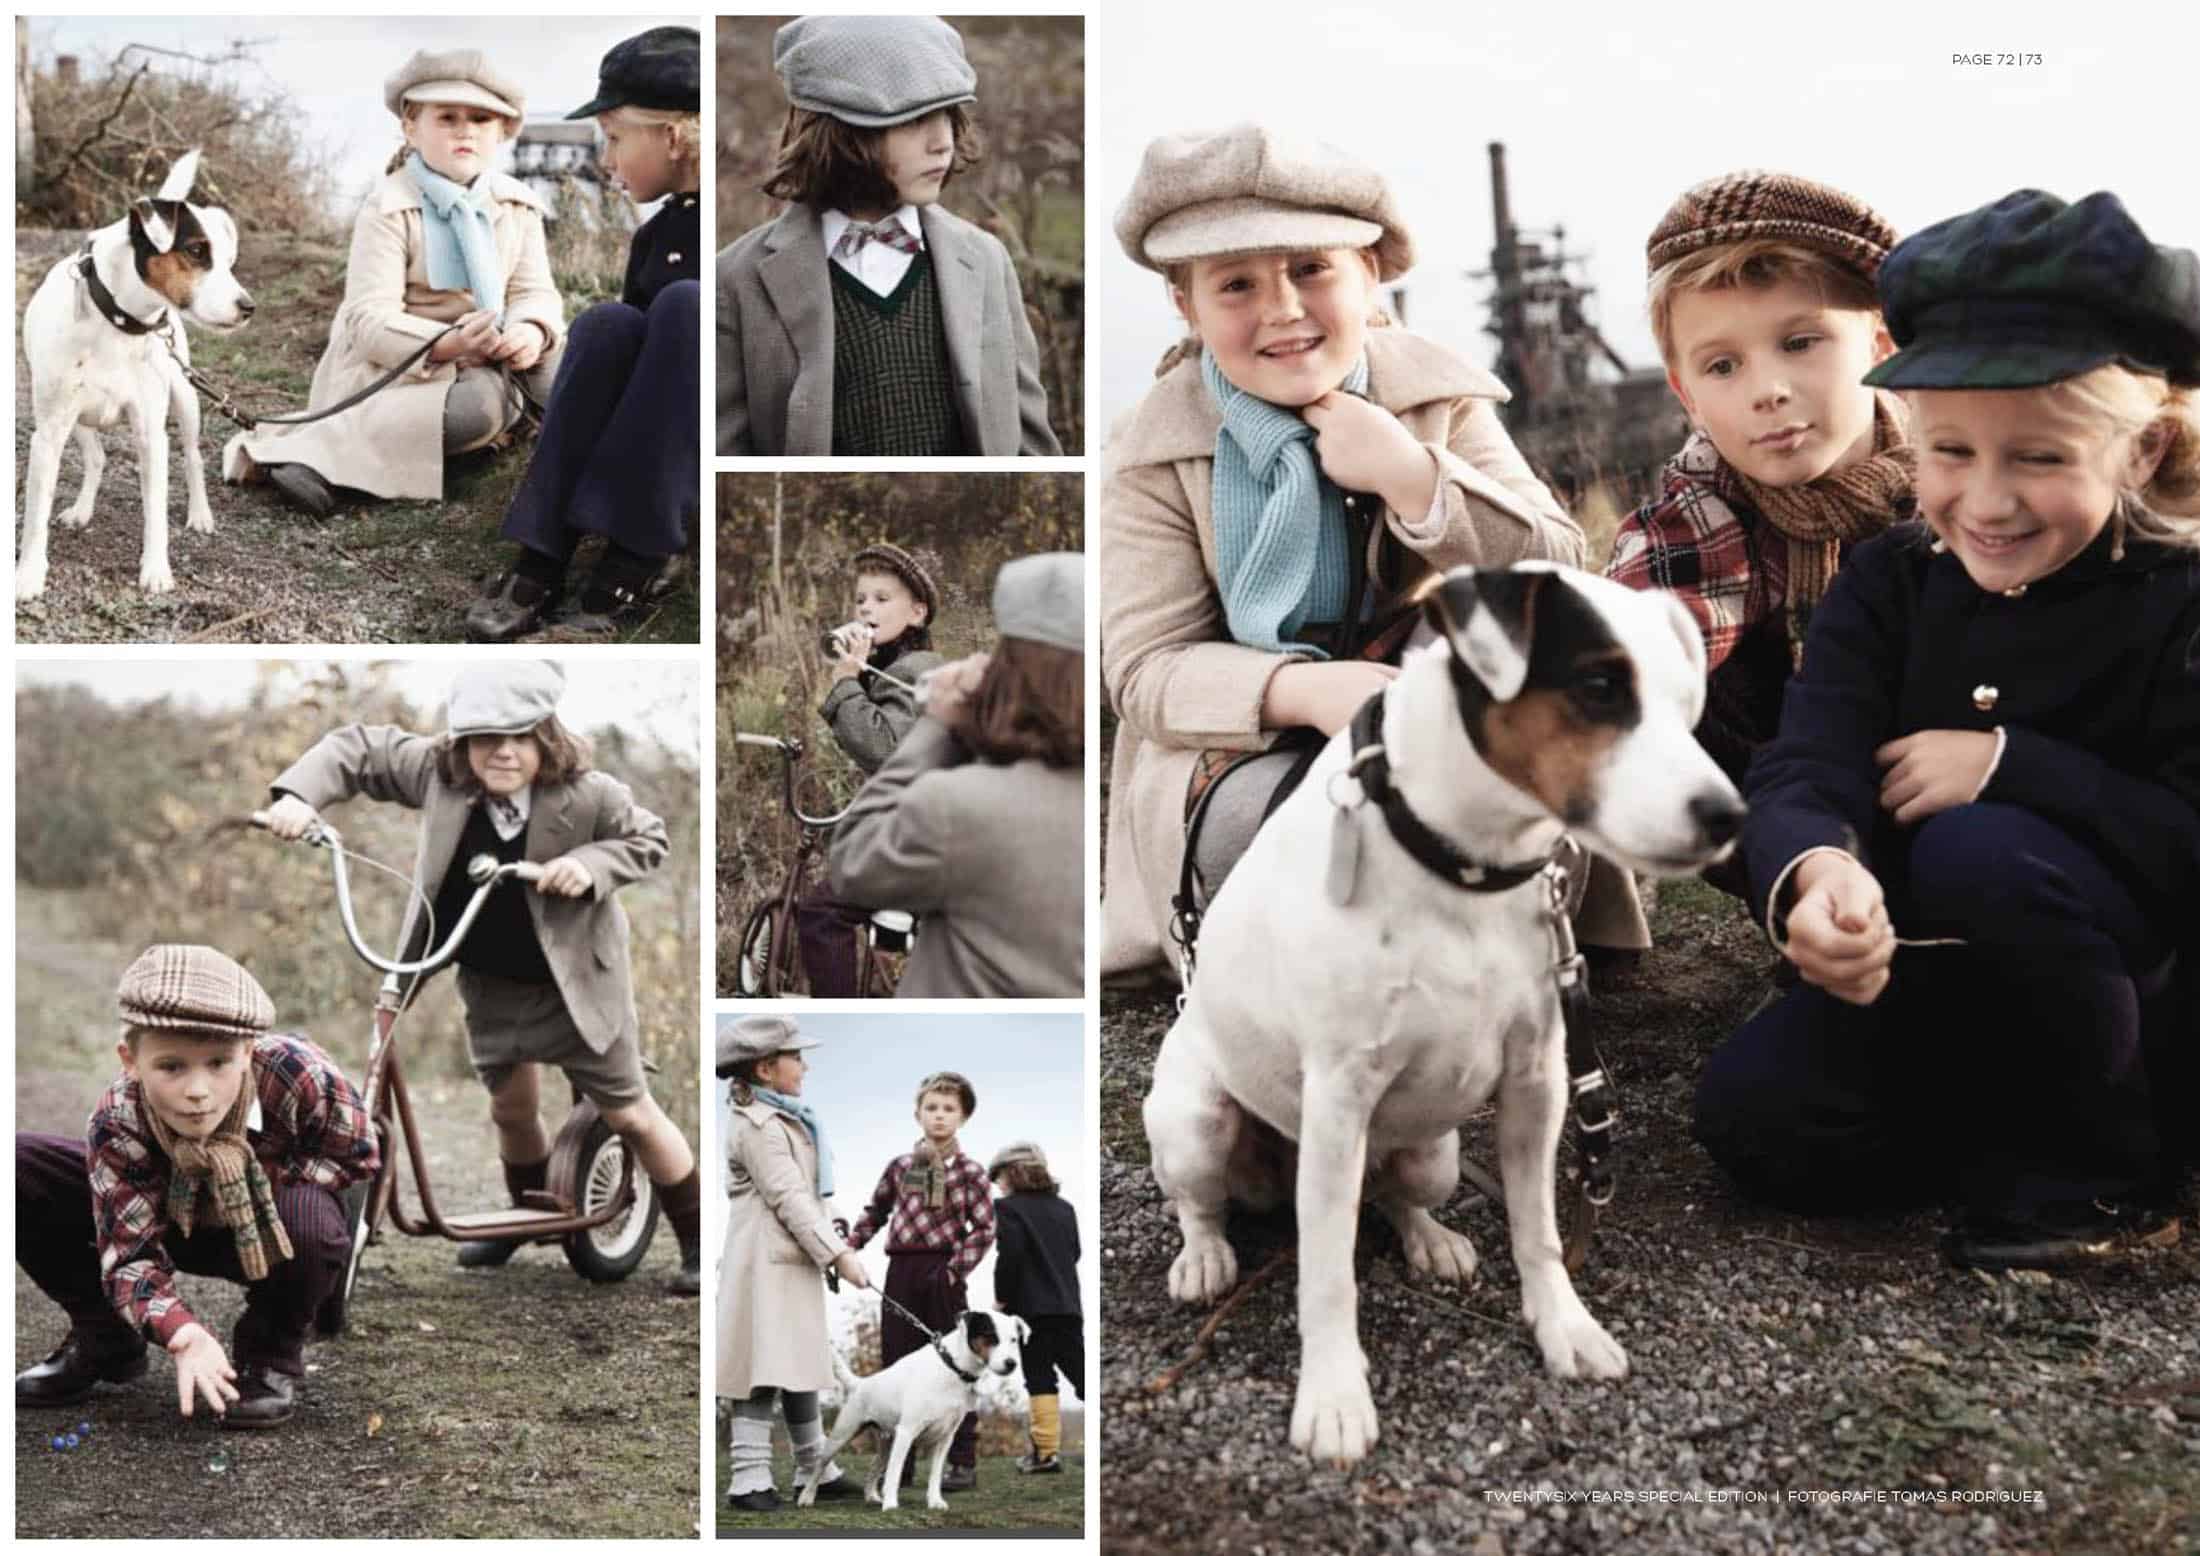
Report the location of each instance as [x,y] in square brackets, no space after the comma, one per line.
[1762,299]
[936,1207]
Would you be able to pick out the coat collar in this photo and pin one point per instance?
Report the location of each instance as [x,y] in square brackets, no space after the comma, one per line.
[1178,419]
[399,193]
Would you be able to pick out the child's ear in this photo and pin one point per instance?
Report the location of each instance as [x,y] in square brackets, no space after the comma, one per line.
[2147,450]
[1882,343]
[1183,306]
[128,1058]
[1673,381]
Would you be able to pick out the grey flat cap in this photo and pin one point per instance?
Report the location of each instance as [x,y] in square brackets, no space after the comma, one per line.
[1042,598]
[454,76]
[1014,1152]
[505,696]
[757,1037]
[1207,194]
[873,71]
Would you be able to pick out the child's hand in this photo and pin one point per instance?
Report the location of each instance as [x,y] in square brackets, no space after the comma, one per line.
[851,1269]
[1932,771]
[566,877]
[1321,695]
[1839,937]
[520,348]
[855,643]
[290,818]
[948,690]
[470,342]
[1363,448]
[202,1368]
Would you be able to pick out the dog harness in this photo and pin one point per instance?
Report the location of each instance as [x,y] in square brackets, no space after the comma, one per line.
[103,301]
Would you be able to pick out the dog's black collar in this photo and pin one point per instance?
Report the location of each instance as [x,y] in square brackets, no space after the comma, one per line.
[1433,852]
[939,1349]
[104,301]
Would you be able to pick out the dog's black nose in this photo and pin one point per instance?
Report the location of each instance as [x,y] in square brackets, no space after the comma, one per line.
[244,304]
[1718,816]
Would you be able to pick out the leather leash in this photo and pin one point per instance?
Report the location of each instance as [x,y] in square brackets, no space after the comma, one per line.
[939,1341]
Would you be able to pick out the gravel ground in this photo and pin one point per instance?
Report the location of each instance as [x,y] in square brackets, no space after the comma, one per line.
[1826,1385]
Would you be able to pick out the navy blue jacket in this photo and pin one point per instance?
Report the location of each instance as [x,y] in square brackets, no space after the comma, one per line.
[666,248]
[2095,671]
[1035,1267]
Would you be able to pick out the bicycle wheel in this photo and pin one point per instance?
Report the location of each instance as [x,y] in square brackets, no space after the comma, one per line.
[759,969]
[611,1251]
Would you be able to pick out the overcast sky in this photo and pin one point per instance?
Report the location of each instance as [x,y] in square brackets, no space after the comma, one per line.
[332,67]
[1608,112]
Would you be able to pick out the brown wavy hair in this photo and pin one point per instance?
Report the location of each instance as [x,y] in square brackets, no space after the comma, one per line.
[1027,1178]
[565,756]
[830,165]
[1030,703]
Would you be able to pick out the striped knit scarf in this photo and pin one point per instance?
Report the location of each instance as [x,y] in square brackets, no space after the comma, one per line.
[1282,547]
[928,1174]
[459,224]
[1820,516]
[223,1170]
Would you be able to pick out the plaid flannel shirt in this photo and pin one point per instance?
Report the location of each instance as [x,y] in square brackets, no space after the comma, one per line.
[313,1128]
[963,1224]
[1702,538]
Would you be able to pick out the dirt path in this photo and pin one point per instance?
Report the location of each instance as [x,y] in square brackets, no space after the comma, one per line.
[500,1403]
[374,572]
[1773,1358]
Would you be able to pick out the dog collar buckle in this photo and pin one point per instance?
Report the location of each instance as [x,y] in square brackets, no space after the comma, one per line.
[103,301]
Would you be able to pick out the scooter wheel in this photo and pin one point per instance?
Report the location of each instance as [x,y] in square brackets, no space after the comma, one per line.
[753,972]
[611,1251]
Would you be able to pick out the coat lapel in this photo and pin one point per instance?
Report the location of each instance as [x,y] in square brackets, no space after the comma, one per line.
[550,824]
[795,279]
[961,281]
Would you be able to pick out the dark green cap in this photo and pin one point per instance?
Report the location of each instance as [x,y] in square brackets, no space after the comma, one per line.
[2030,291]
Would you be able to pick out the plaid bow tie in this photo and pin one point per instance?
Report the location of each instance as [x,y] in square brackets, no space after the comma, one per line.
[889,232]
[506,814]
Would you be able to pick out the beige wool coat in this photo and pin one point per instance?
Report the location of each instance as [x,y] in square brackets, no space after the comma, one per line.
[1178,685]
[392,444]
[775,339]
[779,1238]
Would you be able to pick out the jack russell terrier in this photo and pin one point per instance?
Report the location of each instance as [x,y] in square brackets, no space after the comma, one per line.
[97,334]
[1364,1018]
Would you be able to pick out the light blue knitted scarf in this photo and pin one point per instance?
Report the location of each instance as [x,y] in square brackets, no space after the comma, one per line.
[1282,547]
[460,226]
[808,1119]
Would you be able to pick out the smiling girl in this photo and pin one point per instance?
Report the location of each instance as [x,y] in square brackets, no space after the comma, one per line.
[1977,834]
[443,240]
[1243,597]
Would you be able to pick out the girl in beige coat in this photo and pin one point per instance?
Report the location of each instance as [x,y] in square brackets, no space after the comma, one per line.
[438,217]
[772,1345]
[1216,637]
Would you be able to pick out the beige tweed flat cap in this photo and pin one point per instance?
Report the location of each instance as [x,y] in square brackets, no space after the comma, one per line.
[454,76]
[1247,190]
[193,988]
[757,1037]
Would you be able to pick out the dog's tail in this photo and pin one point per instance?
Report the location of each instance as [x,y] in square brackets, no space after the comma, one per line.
[841,1370]
[181,176]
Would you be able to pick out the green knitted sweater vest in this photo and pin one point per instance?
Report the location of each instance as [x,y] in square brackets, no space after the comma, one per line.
[893,390]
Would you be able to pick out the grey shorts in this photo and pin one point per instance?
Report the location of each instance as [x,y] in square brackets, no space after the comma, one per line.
[509,1023]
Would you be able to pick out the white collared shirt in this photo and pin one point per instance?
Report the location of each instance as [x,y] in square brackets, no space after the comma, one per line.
[523,802]
[879,266]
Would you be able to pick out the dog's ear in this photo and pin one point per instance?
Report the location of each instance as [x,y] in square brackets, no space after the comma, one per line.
[1488,617]
[1687,629]
[181,176]
[978,1329]
[153,223]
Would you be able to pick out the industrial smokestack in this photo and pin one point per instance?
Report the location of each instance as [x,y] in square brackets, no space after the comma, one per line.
[1500,196]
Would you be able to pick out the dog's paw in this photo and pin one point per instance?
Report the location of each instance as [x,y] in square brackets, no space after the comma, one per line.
[1434,1249]
[30,582]
[936,1504]
[201,521]
[1204,1271]
[77,515]
[154,576]
[1333,1419]
[1575,1346]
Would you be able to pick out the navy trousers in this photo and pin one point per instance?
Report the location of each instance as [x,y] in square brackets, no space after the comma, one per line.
[2007,1076]
[57,1248]
[621,440]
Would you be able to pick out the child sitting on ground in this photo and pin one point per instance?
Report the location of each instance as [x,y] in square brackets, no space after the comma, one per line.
[1977,833]
[881,653]
[543,974]
[1762,300]
[866,318]
[1035,1278]
[938,1218]
[220,1150]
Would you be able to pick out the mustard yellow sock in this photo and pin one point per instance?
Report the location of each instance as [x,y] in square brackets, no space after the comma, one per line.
[1046,1425]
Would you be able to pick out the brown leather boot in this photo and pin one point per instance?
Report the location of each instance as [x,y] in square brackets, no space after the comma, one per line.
[683,1204]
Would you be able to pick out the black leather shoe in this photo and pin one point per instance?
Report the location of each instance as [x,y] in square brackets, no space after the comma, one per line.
[510,605]
[687,1281]
[765,1501]
[960,1477]
[264,1399]
[70,1373]
[485,1254]
[302,488]
[616,595]
[2098,1235]
[841,1488]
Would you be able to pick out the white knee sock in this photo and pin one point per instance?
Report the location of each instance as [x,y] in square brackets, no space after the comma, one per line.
[750,1464]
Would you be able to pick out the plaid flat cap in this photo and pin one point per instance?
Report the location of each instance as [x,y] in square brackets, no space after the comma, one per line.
[1207,194]
[661,68]
[454,76]
[1014,1153]
[757,1037]
[2030,291]
[882,557]
[1042,598]
[873,71]
[193,988]
[1736,207]
[504,697]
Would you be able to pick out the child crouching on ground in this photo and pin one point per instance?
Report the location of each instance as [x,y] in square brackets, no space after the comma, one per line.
[1035,1278]
[220,1150]
[938,1218]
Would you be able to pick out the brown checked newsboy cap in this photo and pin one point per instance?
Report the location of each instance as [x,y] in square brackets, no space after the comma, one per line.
[1206,194]
[193,988]
[1735,207]
[454,76]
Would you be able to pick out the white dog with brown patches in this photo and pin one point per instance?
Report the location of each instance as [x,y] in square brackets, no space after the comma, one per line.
[96,334]
[1365,1022]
